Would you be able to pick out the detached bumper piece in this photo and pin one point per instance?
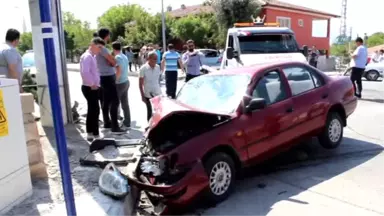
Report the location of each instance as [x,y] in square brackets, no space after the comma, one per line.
[105,151]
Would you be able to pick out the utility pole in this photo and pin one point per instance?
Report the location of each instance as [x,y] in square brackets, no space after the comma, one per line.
[343,20]
[163,26]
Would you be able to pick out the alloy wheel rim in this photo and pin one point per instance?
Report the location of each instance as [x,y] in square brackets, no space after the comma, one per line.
[334,130]
[372,75]
[220,178]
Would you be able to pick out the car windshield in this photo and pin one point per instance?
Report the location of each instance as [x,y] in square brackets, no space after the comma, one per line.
[268,43]
[28,60]
[220,93]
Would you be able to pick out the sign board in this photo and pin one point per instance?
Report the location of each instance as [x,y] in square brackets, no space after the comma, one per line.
[3,117]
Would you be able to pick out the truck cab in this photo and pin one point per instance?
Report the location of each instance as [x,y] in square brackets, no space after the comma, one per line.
[253,43]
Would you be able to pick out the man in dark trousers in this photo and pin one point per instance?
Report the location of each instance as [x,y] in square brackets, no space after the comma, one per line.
[106,64]
[171,59]
[358,62]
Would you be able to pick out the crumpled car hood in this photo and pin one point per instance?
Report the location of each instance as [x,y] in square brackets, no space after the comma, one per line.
[164,107]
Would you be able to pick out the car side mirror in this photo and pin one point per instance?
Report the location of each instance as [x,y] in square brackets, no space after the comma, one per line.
[230,52]
[255,104]
[304,50]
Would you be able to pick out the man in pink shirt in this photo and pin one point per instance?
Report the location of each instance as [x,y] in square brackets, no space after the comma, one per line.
[91,84]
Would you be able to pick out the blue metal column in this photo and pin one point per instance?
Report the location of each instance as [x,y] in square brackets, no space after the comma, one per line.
[53,84]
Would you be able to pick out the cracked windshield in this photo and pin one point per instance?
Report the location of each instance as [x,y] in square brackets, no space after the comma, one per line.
[215,93]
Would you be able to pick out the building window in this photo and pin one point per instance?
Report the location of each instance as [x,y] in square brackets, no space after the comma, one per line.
[284,21]
[301,22]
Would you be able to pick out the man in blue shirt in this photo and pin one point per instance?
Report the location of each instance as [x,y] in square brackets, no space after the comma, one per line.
[170,62]
[359,60]
[122,81]
[192,59]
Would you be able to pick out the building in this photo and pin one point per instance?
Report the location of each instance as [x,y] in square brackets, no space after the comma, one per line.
[299,19]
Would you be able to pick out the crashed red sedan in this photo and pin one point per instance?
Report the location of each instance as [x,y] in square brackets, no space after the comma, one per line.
[227,120]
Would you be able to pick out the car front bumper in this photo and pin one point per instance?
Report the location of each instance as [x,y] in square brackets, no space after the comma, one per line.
[164,198]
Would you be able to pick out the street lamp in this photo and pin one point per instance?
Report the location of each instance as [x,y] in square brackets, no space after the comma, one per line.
[163,25]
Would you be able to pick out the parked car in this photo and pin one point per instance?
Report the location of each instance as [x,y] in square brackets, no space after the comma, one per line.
[233,119]
[29,63]
[373,71]
[212,58]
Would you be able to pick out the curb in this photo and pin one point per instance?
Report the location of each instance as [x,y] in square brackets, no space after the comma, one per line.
[131,74]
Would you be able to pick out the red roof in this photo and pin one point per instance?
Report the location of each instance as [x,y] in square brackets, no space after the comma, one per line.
[281,4]
[197,9]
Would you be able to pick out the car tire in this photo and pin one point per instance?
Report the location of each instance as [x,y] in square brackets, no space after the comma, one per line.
[372,75]
[221,172]
[332,134]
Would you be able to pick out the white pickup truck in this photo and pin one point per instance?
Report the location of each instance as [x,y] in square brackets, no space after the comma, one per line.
[253,43]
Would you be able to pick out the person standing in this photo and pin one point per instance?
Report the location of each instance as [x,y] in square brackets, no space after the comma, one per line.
[91,85]
[122,82]
[192,59]
[110,101]
[381,56]
[314,57]
[359,60]
[11,64]
[149,81]
[129,55]
[169,64]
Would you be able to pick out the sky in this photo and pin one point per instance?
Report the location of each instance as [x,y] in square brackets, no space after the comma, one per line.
[359,15]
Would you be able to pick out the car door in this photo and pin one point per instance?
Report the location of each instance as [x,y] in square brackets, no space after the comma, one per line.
[267,129]
[309,96]
[212,58]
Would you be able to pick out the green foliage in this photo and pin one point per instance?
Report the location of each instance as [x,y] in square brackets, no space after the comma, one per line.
[29,84]
[229,12]
[25,42]
[117,17]
[375,39]
[78,32]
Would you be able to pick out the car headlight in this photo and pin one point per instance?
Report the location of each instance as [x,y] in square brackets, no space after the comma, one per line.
[112,182]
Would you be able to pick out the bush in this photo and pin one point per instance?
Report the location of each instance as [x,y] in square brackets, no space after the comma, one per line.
[29,83]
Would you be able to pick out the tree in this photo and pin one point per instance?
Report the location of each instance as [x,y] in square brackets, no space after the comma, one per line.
[25,42]
[69,44]
[229,12]
[79,34]
[116,18]
[202,29]
[375,39]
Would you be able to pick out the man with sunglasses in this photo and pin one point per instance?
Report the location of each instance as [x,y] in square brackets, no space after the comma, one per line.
[192,60]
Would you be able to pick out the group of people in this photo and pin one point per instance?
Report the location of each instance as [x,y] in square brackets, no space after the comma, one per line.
[106,83]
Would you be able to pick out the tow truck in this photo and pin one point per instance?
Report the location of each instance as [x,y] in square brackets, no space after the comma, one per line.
[260,42]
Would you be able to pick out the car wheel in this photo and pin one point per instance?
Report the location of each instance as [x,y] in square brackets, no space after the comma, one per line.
[221,173]
[348,72]
[332,134]
[372,75]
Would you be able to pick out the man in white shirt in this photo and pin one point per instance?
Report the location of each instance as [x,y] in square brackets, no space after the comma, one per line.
[359,60]
[381,56]
[149,81]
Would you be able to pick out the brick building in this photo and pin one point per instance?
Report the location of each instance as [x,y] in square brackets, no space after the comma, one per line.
[299,19]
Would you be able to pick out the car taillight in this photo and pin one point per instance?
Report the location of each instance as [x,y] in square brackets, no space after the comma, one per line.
[219,60]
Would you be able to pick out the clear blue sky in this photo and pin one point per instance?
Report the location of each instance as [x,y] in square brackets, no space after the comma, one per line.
[360,13]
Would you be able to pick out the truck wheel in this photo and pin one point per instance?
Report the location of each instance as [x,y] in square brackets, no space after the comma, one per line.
[372,75]
[221,172]
[332,134]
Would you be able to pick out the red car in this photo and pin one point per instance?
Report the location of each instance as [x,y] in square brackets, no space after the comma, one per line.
[227,120]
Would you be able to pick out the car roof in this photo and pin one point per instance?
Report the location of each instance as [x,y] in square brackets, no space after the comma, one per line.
[262,30]
[256,68]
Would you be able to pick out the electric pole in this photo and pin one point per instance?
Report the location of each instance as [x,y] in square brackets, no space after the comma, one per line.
[163,26]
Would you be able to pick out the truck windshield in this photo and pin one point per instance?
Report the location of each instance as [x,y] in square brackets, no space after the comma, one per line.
[268,43]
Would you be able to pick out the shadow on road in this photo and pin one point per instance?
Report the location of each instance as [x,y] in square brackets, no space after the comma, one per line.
[372,100]
[292,173]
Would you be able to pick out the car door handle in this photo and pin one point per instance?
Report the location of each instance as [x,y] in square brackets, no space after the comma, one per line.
[324,95]
[289,110]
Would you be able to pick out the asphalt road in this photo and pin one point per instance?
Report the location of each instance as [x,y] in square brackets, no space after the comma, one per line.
[346,181]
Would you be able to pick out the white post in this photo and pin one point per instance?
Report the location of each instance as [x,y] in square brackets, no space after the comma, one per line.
[41,76]
[163,26]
